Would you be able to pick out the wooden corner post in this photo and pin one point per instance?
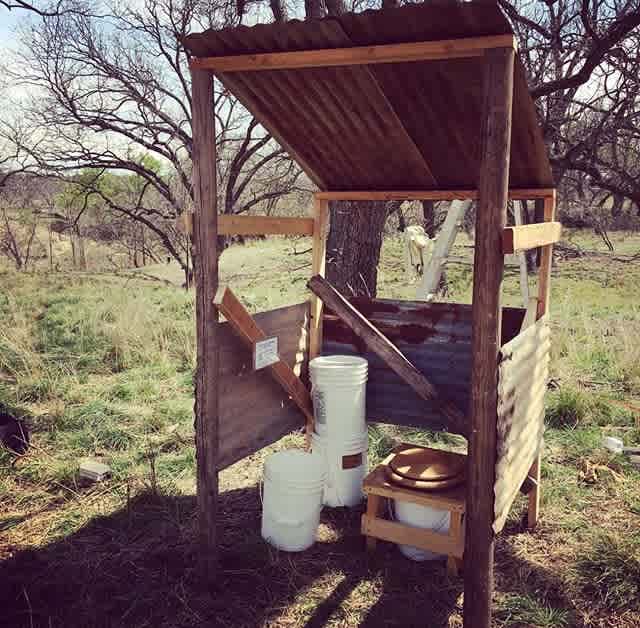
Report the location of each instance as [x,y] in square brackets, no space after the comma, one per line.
[205,237]
[487,281]
[318,260]
[544,291]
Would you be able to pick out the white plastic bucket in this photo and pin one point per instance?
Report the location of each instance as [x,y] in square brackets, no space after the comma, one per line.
[346,464]
[339,384]
[293,484]
[423,517]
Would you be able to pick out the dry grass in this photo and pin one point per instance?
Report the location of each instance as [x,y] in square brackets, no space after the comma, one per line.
[104,364]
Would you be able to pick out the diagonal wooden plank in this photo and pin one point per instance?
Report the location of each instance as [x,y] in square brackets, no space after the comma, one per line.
[379,344]
[249,332]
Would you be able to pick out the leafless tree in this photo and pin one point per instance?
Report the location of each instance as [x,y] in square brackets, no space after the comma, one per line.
[19,199]
[116,87]
[583,65]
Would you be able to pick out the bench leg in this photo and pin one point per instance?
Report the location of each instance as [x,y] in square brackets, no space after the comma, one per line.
[374,508]
[534,495]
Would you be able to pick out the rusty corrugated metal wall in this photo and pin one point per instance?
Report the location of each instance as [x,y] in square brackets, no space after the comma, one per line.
[435,337]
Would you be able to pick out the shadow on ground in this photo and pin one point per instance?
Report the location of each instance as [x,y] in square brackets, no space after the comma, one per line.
[136,567]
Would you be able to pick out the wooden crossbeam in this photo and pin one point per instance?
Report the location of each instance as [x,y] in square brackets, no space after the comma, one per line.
[417,537]
[249,332]
[264,225]
[252,225]
[359,55]
[379,344]
[522,194]
[318,263]
[524,237]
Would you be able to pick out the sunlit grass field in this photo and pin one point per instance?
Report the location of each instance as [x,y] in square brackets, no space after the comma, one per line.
[102,366]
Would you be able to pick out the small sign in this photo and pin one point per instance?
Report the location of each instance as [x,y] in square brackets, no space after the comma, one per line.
[265,353]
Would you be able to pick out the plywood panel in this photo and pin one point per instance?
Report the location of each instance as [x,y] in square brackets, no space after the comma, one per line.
[254,411]
[523,374]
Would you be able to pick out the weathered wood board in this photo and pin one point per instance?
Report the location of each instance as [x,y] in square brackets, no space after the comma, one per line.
[523,373]
[254,410]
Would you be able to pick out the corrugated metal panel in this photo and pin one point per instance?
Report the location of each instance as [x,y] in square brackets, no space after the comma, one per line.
[403,126]
[523,374]
[435,337]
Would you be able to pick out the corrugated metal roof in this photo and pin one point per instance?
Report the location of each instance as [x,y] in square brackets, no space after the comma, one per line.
[410,126]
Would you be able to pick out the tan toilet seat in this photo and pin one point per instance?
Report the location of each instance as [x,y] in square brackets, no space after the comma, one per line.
[425,469]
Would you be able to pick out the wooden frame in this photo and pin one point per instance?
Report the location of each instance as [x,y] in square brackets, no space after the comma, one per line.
[205,232]
[376,487]
[491,217]
[492,237]
[359,55]
[264,225]
[520,194]
[525,237]
[318,261]
[252,225]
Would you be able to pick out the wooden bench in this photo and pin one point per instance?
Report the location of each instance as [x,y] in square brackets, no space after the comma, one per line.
[377,488]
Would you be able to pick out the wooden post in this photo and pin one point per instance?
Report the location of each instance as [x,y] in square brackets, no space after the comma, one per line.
[522,258]
[318,259]
[544,289]
[487,281]
[544,273]
[205,237]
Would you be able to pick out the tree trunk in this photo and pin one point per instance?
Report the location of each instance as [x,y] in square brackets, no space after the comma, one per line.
[431,224]
[353,246]
[429,218]
[50,249]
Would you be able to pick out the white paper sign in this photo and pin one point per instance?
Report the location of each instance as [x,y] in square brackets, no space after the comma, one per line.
[265,353]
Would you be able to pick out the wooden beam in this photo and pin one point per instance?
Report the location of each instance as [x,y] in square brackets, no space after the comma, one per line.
[491,217]
[544,291]
[249,332]
[525,237]
[264,225]
[379,344]
[407,535]
[544,272]
[518,207]
[252,225]
[205,231]
[318,262]
[359,55]
[530,315]
[523,194]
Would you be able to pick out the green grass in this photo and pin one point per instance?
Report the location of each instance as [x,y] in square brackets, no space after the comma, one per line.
[103,367]
[523,610]
[610,572]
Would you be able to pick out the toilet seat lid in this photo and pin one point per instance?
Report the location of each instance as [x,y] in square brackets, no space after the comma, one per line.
[426,466]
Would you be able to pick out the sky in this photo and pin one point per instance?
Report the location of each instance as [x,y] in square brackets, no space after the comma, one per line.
[8,21]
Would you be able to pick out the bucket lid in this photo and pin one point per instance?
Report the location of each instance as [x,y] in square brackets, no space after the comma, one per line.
[338,362]
[426,469]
